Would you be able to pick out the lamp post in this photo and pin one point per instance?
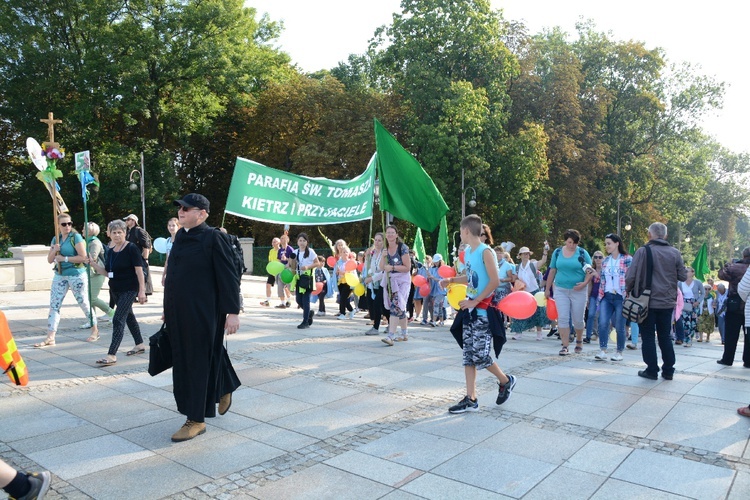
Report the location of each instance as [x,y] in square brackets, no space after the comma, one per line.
[138,176]
[628,224]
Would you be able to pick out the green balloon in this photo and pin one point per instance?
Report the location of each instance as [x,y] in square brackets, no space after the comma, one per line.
[287,276]
[274,268]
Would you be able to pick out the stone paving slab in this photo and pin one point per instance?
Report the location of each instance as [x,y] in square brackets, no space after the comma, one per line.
[330,413]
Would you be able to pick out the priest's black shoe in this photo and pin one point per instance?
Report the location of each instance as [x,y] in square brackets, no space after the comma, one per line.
[645,374]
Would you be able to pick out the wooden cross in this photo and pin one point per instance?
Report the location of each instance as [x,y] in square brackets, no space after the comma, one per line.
[50,121]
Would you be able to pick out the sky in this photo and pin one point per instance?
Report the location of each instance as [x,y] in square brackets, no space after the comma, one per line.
[712,36]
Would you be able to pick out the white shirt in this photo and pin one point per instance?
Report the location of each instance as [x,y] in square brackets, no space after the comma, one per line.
[305,261]
[526,275]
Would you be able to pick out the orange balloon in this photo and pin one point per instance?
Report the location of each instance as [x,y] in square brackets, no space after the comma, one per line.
[318,288]
[424,290]
[518,305]
[551,309]
[350,265]
[361,267]
[331,261]
[419,280]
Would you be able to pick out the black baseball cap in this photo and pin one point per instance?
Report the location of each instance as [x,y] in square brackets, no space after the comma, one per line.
[193,200]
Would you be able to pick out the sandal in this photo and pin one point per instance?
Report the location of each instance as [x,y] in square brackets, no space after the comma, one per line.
[135,351]
[93,338]
[48,342]
[579,346]
[564,351]
[106,362]
[744,411]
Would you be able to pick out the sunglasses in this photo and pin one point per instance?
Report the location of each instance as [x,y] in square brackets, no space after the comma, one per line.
[66,224]
[187,209]
[598,256]
[483,234]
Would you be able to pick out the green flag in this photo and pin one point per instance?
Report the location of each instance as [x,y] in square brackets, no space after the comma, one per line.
[406,190]
[632,248]
[442,243]
[419,246]
[700,264]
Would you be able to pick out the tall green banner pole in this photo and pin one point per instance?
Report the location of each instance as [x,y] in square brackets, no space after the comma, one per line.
[83,169]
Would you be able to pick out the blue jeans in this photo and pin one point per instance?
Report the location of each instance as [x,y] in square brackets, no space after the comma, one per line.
[634,330]
[679,330]
[593,306]
[610,310]
[658,324]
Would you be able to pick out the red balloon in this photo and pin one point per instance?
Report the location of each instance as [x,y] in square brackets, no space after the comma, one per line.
[419,280]
[350,265]
[551,309]
[318,288]
[361,267]
[424,290]
[446,272]
[518,305]
[331,261]
[461,256]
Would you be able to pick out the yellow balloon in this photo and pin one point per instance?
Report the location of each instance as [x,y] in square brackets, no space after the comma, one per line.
[351,279]
[359,290]
[456,293]
[541,300]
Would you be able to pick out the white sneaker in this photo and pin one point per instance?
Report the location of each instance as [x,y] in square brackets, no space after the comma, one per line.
[341,316]
[351,315]
[320,313]
[602,356]
[617,356]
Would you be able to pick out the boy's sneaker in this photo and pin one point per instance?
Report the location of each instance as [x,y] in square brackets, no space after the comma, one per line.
[39,485]
[617,356]
[388,339]
[341,316]
[466,404]
[504,391]
[265,303]
[320,313]
[602,356]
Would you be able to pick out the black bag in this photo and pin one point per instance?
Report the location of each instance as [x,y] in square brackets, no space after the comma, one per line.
[635,309]
[305,282]
[160,352]
[735,304]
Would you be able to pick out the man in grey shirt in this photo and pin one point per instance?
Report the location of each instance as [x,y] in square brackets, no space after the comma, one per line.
[668,269]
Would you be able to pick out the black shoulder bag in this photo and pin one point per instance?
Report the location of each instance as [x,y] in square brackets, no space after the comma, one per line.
[635,308]
[160,352]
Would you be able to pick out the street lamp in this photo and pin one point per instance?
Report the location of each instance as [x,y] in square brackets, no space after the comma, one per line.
[137,176]
[687,237]
[472,202]
[376,195]
[628,224]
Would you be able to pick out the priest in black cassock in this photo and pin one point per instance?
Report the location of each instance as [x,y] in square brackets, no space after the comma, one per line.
[201,302]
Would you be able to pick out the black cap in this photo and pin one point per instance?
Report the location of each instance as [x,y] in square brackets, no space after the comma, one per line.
[193,200]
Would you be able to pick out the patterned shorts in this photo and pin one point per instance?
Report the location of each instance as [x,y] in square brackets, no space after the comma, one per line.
[477,342]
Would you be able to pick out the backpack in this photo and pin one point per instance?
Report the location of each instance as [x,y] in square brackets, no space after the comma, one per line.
[234,243]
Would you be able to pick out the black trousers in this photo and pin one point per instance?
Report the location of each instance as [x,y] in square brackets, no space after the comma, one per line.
[657,326]
[734,324]
[322,298]
[344,304]
[377,308]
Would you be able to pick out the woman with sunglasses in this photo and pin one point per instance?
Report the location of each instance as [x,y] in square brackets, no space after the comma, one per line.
[593,306]
[612,295]
[68,253]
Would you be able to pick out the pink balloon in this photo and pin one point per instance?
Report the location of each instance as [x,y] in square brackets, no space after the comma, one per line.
[424,290]
[419,280]
[361,267]
[318,288]
[518,305]
[350,265]
[331,261]
[446,272]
